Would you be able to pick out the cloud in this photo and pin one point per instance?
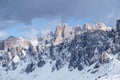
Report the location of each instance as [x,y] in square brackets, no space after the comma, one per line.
[45,32]
[6,23]
[3,35]
[26,10]
[32,33]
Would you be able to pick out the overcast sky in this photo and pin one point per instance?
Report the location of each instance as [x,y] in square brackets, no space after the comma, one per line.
[18,17]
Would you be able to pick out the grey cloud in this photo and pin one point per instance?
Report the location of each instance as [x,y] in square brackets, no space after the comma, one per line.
[26,10]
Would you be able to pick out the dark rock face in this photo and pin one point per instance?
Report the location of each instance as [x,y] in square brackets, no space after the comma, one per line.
[29,68]
[97,65]
[118,27]
[41,63]
[84,52]
[1,45]
[59,64]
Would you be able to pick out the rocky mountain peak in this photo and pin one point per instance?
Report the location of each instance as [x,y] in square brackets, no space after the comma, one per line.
[15,42]
[59,33]
[11,37]
[88,27]
[77,30]
[101,26]
[63,32]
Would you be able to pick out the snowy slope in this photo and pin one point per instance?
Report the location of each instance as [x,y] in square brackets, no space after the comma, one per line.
[108,71]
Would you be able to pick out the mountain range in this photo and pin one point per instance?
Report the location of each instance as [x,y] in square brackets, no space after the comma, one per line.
[88,52]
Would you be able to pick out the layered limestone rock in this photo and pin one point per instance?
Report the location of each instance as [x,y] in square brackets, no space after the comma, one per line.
[24,43]
[58,33]
[15,42]
[68,32]
[63,32]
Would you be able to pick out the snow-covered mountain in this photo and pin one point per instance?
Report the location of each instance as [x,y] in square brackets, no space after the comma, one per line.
[90,52]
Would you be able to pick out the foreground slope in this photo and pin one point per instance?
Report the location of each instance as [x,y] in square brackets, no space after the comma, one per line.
[108,71]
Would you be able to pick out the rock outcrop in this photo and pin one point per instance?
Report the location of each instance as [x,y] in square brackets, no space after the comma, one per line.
[15,42]
[77,30]
[105,57]
[88,28]
[63,32]
[101,26]
[118,27]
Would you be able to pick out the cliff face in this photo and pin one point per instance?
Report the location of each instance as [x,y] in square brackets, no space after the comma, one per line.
[88,28]
[15,42]
[63,32]
[118,27]
[59,34]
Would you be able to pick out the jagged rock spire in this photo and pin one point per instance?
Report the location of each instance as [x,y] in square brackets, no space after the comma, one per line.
[118,26]
[63,32]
